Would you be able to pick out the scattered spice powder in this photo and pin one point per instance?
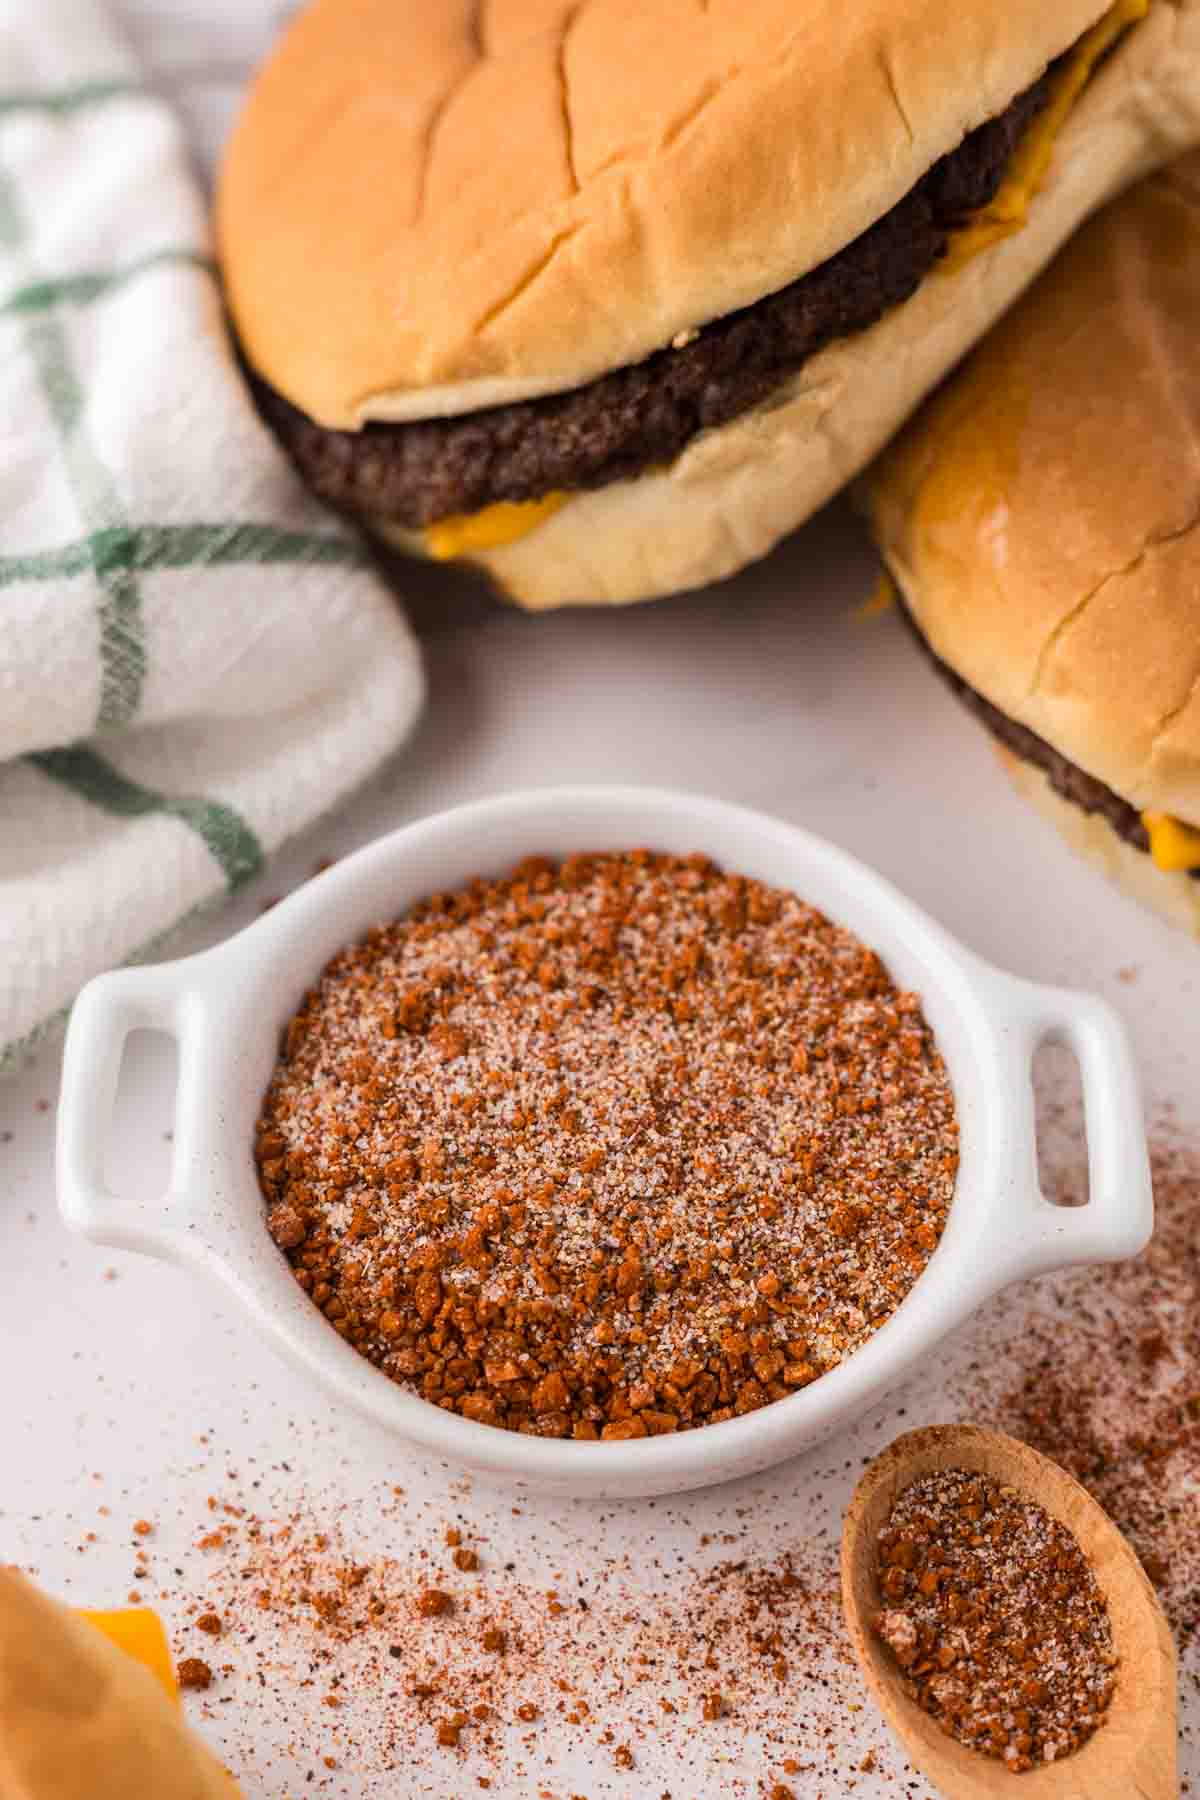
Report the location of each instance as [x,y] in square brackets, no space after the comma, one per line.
[301,1618]
[1104,1376]
[608,1148]
[993,1612]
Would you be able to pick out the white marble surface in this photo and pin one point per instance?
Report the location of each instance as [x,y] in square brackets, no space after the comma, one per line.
[129,1386]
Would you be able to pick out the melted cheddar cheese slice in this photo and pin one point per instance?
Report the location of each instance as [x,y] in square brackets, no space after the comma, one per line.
[1173,845]
[506,522]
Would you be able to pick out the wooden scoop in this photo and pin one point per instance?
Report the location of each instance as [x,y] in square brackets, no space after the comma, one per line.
[1132,1755]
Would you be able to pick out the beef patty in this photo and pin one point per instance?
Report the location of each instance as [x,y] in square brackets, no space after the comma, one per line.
[641,416]
[1085,791]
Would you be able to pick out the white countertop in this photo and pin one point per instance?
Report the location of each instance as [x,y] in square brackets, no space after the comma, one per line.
[131,1388]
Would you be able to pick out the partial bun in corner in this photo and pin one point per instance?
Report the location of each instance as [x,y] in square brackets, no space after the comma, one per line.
[80,1719]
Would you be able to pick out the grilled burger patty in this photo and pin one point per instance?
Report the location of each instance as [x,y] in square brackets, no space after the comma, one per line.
[642,416]
[1066,778]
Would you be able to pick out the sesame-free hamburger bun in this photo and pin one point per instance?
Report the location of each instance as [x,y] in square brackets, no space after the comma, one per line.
[1041,517]
[608,297]
[81,1719]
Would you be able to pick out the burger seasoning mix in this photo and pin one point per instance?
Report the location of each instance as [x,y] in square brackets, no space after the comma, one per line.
[317,1591]
[992,1611]
[608,1148]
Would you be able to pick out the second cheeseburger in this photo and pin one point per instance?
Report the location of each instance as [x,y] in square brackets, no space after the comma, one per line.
[608,296]
[1041,517]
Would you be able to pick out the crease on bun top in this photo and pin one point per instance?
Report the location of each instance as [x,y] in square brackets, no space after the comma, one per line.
[426,210]
[1042,513]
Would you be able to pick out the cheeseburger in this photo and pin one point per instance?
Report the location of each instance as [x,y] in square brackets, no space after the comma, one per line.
[608,295]
[1041,517]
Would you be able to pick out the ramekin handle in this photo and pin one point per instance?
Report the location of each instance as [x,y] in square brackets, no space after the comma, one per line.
[158,998]
[1118,1219]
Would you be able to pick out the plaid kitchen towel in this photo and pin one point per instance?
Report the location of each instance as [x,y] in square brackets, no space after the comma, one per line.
[195,661]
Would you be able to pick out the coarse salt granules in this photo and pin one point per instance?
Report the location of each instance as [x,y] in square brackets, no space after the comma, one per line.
[608,1148]
[993,1612]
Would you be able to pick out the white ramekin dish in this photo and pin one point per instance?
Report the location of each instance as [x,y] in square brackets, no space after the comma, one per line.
[226,1008]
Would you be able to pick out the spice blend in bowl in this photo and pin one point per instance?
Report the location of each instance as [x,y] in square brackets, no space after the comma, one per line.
[992,1610]
[608,1148]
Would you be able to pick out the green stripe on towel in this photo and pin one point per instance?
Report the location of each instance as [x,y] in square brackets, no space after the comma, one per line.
[81,290]
[232,843]
[142,547]
[122,649]
[61,101]
[122,645]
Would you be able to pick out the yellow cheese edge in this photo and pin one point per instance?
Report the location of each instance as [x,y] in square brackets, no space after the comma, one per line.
[883,597]
[139,1633]
[504,523]
[1174,846]
[1030,163]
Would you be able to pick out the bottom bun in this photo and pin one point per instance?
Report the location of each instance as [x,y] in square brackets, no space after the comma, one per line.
[737,490]
[1173,895]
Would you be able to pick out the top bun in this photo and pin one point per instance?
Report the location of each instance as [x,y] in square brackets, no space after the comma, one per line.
[1042,512]
[430,208]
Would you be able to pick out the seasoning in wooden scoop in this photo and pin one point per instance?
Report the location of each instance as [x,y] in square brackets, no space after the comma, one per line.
[993,1612]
